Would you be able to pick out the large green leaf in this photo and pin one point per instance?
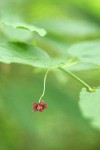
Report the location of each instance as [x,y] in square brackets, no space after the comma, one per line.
[24,54]
[90,106]
[87,52]
[11,52]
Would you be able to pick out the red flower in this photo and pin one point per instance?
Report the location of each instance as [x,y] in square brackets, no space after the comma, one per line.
[39,107]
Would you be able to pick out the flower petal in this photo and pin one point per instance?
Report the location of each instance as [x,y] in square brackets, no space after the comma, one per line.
[34,104]
[41,110]
[35,109]
[45,106]
[41,103]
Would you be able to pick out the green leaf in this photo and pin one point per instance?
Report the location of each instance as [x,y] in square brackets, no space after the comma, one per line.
[90,106]
[19,31]
[87,52]
[11,52]
[25,26]
[24,54]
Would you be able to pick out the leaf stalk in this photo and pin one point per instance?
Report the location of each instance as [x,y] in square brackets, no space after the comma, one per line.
[89,88]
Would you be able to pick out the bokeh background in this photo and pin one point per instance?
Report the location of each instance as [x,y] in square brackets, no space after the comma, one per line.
[61,126]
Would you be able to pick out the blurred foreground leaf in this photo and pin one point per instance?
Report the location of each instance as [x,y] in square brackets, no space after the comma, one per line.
[19,31]
[90,106]
[70,28]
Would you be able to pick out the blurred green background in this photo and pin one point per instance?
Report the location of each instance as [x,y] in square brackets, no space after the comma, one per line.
[61,126]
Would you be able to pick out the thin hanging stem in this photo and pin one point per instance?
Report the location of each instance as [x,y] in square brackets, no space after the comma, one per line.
[44,85]
[78,79]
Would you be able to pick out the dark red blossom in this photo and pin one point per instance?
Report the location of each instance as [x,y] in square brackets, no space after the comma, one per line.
[39,106]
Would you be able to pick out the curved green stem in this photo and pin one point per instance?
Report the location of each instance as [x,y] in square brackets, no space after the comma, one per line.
[78,79]
[44,83]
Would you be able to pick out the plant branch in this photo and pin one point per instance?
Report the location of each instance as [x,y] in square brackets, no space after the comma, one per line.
[89,88]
